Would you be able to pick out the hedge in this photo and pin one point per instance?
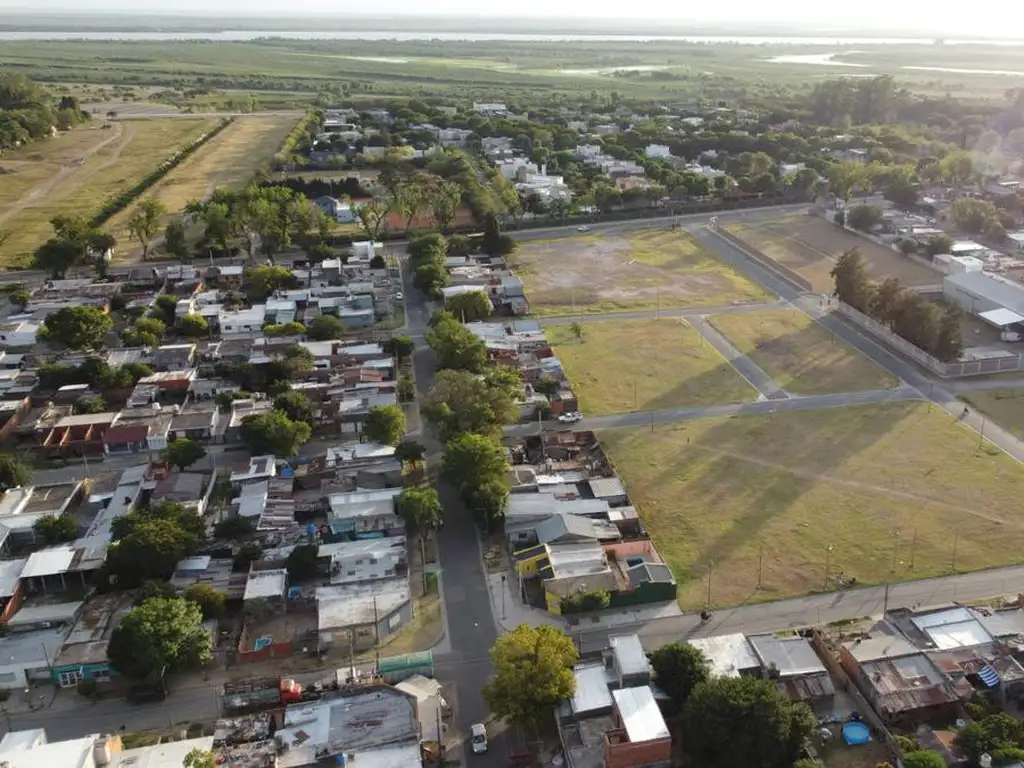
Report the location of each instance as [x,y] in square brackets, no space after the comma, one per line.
[117,204]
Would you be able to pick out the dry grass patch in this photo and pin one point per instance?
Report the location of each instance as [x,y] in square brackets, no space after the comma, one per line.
[809,245]
[230,159]
[627,365]
[139,146]
[801,356]
[1004,406]
[638,270]
[895,482]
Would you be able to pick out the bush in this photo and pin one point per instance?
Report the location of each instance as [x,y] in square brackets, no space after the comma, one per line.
[586,600]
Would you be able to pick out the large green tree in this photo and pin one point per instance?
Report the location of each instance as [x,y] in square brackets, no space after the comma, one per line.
[77,327]
[678,669]
[471,459]
[385,424]
[461,402]
[274,433]
[469,307]
[773,729]
[160,636]
[144,223]
[183,453]
[325,328]
[419,507]
[532,674]
[296,406]
[850,278]
[267,278]
[56,529]
[456,346]
[12,472]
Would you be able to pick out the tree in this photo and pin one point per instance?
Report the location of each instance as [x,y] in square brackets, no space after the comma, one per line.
[268,278]
[209,599]
[303,562]
[236,527]
[487,498]
[144,223]
[850,278]
[176,241]
[949,343]
[577,330]
[199,758]
[402,347]
[989,734]
[90,405]
[938,244]
[296,406]
[373,217]
[325,328]
[472,459]
[406,388]
[456,346]
[165,306]
[430,278]
[194,326]
[901,192]
[19,296]
[532,674]
[13,473]
[410,452]
[183,453]
[443,200]
[153,588]
[864,217]
[293,328]
[419,507]
[886,299]
[971,214]
[160,636]
[77,327]
[469,307]
[385,424]
[923,758]
[678,669]
[274,433]
[774,728]
[461,402]
[56,529]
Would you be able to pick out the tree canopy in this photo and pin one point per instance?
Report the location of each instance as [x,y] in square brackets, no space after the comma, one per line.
[772,729]
[419,507]
[296,406]
[183,453]
[56,529]
[385,424]
[77,327]
[461,402]
[678,669]
[274,433]
[532,673]
[12,472]
[208,598]
[160,636]
[457,347]
[469,307]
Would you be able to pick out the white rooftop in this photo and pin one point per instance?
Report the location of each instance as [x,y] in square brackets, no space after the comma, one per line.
[953,628]
[170,754]
[10,575]
[640,714]
[629,654]
[48,562]
[592,692]
[74,753]
[266,584]
[359,604]
[727,655]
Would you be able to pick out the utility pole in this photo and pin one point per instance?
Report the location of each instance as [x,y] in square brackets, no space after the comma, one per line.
[634,395]
[981,434]
[760,567]
[956,541]
[828,562]
[504,580]
[711,568]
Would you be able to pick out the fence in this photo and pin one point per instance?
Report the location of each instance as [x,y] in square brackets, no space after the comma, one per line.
[919,356]
[765,261]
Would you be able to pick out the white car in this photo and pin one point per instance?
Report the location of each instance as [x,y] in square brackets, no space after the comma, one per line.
[399,297]
[570,418]
[583,228]
[478,738]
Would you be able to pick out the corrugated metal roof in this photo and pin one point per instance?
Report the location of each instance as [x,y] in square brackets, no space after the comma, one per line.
[629,654]
[592,693]
[48,562]
[640,714]
[728,655]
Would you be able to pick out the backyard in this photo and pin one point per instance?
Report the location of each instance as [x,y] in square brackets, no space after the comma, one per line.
[619,272]
[802,357]
[809,245]
[230,159]
[629,365]
[77,173]
[900,490]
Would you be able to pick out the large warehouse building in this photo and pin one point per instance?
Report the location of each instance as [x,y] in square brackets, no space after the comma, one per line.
[993,298]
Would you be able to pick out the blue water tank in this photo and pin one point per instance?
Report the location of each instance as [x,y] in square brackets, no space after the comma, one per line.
[341,759]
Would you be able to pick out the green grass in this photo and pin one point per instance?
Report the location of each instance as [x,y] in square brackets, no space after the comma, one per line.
[801,356]
[627,365]
[881,483]
[1003,406]
[141,147]
[636,271]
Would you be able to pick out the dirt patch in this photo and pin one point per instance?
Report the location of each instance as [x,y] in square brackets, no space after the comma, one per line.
[641,270]
[810,246]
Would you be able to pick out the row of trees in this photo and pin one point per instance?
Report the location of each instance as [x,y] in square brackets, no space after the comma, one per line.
[427,253]
[533,674]
[926,325]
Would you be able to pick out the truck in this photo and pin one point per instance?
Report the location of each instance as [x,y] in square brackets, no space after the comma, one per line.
[248,696]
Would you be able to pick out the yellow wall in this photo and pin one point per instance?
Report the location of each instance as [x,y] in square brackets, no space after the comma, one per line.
[554,603]
[528,568]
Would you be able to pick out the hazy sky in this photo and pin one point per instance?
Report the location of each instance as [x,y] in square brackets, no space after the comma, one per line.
[992,18]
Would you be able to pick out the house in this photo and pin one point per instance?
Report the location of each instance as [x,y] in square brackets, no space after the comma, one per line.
[18,334]
[364,514]
[77,435]
[31,749]
[366,559]
[270,585]
[337,210]
[240,411]
[22,507]
[241,321]
[83,655]
[139,430]
[640,736]
[259,468]
[796,669]
[489,109]
[191,489]
[728,655]
[362,615]
[993,298]
[662,151]
[27,657]
[197,423]
[565,570]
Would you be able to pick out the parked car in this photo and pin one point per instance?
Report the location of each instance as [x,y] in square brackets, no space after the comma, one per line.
[399,297]
[582,228]
[570,418]
[478,738]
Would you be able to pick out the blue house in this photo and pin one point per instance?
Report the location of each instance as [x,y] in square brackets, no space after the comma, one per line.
[84,653]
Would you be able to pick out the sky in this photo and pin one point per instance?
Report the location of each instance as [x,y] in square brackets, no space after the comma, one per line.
[990,18]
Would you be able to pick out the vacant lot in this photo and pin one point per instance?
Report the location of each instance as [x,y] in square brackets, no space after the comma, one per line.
[230,159]
[639,270]
[895,483]
[809,245]
[628,365]
[1004,406]
[801,356]
[79,175]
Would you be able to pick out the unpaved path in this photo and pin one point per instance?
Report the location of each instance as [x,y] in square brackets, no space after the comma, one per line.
[68,168]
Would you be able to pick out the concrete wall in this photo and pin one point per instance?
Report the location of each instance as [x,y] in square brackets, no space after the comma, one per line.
[625,754]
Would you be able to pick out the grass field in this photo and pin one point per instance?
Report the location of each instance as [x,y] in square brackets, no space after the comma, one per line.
[1004,406]
[627,365]
[889,488]
[801,356]
[809,245]
[230,159]
[79,178]
[639,270]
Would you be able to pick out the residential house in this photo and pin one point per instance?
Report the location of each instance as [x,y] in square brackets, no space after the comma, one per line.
[83,655]
[195,423]
[796,669]
[27,657]
[77,435]
[366,559]
[241,321]
[18,334]
[490,109]
[337,210]
[364,514]
[662,151]
[362,615]
[728,655]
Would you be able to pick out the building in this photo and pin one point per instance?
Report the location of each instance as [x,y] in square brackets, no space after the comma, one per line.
[241,321]
[361,615]
[365,514]
[641,737]
[728,655]
[32,749]
[490,109]
[18,334]
[796,669]
[337,210]
[662,151]
[83,655]
[993,298]
[27,658]
[365,560]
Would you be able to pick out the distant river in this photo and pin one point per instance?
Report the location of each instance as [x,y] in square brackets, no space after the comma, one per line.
[245,35]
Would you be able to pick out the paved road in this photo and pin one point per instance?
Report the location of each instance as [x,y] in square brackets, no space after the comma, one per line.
[755,408]
[740,363]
